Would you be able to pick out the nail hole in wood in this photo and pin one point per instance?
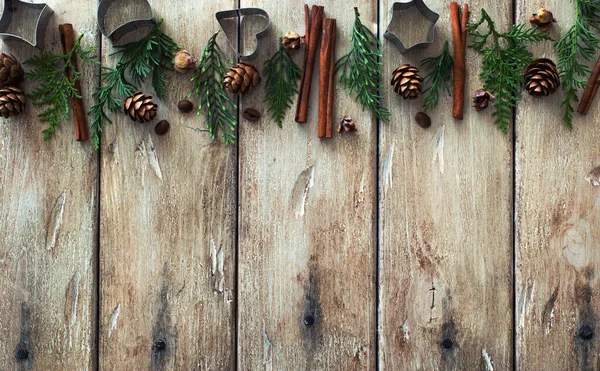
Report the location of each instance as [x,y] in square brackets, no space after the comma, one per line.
[447,343]
[159,346]
[586,332]
[22,354]
[309,320]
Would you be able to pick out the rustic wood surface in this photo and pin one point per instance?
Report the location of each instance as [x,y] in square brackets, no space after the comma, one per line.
[395,248]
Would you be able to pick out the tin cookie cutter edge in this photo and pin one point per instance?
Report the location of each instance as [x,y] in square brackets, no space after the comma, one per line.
[425,12]
[45,13]
[239,13]
[126,27]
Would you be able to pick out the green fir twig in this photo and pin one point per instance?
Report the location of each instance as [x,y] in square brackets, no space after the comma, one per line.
[438,78]
[55,88]
[207,86]
[505,55]
[575,48]
[361,70]
[282,83]
[152,55]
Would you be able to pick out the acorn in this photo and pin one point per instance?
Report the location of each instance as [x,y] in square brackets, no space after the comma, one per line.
[183,61]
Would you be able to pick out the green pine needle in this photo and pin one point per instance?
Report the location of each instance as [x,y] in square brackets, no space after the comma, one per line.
[282,83]
[55,89]
[439,77]
[207,85]
[504,58]
[152,55]
[577,46]
[361,69]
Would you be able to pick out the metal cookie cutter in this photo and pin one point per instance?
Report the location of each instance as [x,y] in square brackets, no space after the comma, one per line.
[117,33]
[238,14]
[16,6]
[400,17]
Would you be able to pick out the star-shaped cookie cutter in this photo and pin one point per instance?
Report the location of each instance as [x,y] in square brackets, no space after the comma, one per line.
[11,7]
[405,21]
[114,35]
[239,13]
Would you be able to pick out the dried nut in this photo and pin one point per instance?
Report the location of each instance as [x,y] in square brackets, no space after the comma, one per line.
[185,106]
[423,119]
[251,114]
[183,61]
[482,99]
[292,41]
[543,19]
[162,127]
[346,124]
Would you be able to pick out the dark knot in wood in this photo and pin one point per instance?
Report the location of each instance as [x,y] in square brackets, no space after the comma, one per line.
[22,354]
[159,346]
[447,343]
[309,320]
[586,332]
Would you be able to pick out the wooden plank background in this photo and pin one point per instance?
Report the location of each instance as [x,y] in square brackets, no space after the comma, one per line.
[455,247]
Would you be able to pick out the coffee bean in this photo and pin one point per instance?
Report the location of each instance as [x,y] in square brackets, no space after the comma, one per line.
[162,127]
[423,120]
[185,106]
[251,114]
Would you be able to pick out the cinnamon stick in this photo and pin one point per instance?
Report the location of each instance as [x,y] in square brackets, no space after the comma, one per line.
[67,39]
[459,36]
[326,68]
[590,91]
[310,53]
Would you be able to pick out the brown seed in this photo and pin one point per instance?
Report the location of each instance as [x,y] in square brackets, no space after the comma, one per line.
[162,127]
[251,114]
[185,106]
[423,119]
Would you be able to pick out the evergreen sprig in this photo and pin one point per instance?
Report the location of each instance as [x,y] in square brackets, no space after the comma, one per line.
[361,70]
[577,46]
[282,83]
[152,54]
[439,77]
[207,85]
[504,58]
[55,88]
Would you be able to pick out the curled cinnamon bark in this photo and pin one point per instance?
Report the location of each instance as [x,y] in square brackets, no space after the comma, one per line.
[459,35]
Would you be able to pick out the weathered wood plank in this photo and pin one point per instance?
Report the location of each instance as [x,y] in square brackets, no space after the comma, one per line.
[168,228]
[307,224]
[558,220]
[48,225]
[445,235]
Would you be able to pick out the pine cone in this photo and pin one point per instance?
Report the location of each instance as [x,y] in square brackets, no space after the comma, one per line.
[140,108]
[543,19]
[12,101]
[407,81]
[541,78]
[241,78]
[10,70]
[482,99]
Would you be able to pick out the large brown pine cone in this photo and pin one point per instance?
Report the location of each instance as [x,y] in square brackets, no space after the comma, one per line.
[140,107]
[241,78]
[407,81]
[541,78]
[10,70]
[12,101]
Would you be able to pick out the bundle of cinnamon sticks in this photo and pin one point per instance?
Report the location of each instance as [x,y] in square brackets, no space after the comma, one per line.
[318,28]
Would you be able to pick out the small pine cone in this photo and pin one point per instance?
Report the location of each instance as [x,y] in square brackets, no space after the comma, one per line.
[541,78]
[407,81]
[543,19]
[482,99]
[10,70]
[140,108]
[292,41]
[12,101]
[241,78]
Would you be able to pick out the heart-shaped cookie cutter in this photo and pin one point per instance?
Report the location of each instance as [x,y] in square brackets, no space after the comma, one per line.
[125,28]
[13,6]
[239,13]
[424,11]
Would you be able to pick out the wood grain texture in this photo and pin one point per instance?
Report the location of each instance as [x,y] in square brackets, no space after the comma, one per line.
[48,225]
[168,227]
[445,231]
[307,224]
[558,220]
